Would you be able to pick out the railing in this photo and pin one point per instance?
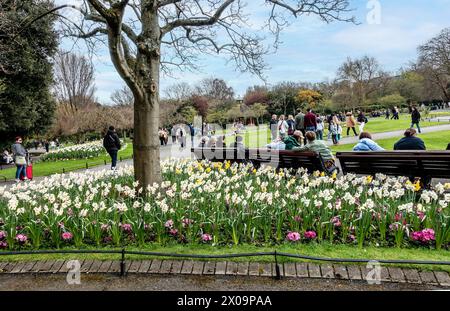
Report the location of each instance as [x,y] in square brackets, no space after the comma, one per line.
[123,252]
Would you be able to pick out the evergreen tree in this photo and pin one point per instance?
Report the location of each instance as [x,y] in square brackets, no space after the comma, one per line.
[26,49]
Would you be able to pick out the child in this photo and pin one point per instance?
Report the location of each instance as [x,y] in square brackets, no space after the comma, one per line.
[339,132]
[319,129]
[334,132]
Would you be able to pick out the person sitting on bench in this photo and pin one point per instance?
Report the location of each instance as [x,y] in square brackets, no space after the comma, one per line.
[296,140]
[366,143]
[319,147]
[410,141]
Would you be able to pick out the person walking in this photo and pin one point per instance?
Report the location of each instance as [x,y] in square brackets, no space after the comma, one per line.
[415,118]
[362,120]
[173,133]
[351,123]
[111,142]
[273,125]
[19,153]
[291,125]
[282,127]
[300,121]
[333,132]
[319,129]
[310,121]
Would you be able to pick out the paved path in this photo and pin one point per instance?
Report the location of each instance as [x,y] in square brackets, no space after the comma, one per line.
[378,136]
[208,275]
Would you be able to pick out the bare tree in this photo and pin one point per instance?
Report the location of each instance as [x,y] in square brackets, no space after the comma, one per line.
[214,88]
[74,79]
[146,36]
[179,91]
[434,62]
[122,97]
[363,76]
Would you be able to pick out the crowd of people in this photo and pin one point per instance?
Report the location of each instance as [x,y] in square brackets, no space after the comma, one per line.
[281,127]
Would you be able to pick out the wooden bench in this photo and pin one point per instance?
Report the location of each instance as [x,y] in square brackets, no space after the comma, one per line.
[234,155]
[412,164]
[280,159]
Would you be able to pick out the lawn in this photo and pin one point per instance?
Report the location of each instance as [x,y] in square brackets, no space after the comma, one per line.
[324,250]
[433,141]
[254,137]
[52,167]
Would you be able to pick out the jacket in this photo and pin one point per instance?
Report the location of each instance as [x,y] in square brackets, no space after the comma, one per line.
[362,118]
[415,116]
[367,144]
[291,142]
[18,150]
[111,141]
[350,121]
[310,120]
[319,147]
[410,143]
[300,121]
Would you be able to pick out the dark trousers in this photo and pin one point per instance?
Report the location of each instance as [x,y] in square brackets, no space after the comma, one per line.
[348,130]
[113,155]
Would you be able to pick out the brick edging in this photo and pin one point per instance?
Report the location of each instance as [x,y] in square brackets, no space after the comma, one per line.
[191,267]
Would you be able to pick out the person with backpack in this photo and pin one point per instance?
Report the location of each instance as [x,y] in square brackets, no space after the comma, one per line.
[111,142]
[415,118]
[19,153]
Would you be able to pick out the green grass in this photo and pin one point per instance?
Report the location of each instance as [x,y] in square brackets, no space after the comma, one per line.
[381,125]
[324,250]
[433,141]
[49,168]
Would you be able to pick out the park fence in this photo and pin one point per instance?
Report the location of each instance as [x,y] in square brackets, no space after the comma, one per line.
[123,252]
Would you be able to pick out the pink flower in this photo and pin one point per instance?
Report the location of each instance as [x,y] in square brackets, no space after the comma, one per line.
[298,219]
[310,235]
[61,225]
[173,231]
[169,223]
[351,237]
[336,221]
[2,235]
[293,236]
[127,228]
[3,244]
[206,237]
[421,215]
[338,204]
[424,236]
[21,238]
[66,236]
[187,222]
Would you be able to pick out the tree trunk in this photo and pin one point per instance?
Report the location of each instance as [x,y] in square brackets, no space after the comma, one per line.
[146,156]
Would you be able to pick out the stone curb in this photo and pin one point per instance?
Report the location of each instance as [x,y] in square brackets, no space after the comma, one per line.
[208,268]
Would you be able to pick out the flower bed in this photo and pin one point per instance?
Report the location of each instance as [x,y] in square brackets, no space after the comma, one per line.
[203,202]
[82,151]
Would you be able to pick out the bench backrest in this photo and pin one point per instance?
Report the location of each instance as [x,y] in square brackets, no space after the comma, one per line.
[398,163]
[288,158]
[221,154]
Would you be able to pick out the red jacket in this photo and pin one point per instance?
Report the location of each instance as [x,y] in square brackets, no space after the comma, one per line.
[310,120]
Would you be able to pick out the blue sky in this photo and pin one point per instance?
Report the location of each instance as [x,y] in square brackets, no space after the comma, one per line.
[312,50]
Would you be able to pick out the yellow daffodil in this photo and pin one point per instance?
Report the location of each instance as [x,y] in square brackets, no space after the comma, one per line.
[322,174]
[369,179]
[334,176]
[417,186]
[208,170]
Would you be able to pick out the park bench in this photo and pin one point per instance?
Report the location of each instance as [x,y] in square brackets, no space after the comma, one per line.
[280,159]
[413,164]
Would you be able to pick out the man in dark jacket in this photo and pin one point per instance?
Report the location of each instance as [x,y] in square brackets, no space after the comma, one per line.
[415,118]
[111,142]
[410,141]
